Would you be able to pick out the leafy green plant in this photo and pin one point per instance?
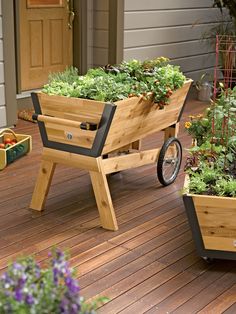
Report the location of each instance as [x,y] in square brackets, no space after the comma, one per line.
[200,127]
[226,187]
[113,83]
[27,288]
[211,164]
[196,185]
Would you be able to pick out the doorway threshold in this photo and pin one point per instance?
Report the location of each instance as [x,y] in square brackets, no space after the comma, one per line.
[27,93]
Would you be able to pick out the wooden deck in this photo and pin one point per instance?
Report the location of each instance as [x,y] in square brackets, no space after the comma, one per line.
[148,266]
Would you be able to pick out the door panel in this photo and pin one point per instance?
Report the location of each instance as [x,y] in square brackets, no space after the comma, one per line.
[44,3]
[45,40]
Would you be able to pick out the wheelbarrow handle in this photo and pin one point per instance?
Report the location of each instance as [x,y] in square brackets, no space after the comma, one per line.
[60,121]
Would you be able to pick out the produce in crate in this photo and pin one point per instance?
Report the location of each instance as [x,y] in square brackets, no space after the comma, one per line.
[13,146]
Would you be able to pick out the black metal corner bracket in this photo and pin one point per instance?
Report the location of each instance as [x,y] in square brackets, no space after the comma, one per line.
[100,138]
[184,104]
[197,235]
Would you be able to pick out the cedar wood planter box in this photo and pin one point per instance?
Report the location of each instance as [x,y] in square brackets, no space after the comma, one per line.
[120,125]
[213,223]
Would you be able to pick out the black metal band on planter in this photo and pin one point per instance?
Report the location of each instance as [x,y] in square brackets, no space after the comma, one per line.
[99,140]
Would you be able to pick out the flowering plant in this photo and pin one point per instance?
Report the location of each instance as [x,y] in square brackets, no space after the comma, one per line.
[198,127]
[27,288]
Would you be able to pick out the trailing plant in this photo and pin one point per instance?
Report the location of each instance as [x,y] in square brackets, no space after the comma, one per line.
[113,83]
[27,288]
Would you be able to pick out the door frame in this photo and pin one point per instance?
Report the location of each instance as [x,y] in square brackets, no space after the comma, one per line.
[11,53]
[9,61]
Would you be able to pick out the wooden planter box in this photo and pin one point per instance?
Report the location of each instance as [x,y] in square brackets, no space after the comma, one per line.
[120,126]
[213,223]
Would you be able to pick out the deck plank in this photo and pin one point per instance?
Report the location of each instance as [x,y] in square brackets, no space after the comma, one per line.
[148,266]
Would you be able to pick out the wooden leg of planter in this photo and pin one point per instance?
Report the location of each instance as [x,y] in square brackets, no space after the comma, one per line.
[171,131]
[104,201]
[42,185]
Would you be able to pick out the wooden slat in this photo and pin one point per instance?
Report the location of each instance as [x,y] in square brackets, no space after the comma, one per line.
[58,133]
[221,303]
[207,277]
[220,243]
[211,201]
[170,50]
[150,261]
[70,105]
[129,161]
[135,118]
[131,5]
[150,19]
[70,159]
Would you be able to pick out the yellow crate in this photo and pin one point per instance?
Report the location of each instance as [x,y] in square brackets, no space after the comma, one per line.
[14,152]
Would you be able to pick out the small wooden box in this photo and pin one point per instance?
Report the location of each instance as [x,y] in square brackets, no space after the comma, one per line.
[14,152]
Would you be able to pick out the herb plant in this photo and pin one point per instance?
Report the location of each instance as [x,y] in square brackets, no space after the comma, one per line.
[113,83]
[211,164]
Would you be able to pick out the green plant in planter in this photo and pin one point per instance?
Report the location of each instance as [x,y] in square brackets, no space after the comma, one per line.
[224,187]
[113,83]
[27,288]
[200,127]
[211,164]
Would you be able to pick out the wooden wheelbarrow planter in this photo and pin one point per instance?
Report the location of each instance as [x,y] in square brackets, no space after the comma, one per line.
[120,125]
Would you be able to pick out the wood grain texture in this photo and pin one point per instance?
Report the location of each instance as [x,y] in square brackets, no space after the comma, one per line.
[135,118]
[150,258]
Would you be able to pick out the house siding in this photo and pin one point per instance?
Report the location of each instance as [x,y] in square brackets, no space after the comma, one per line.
[3,121]
[100,32]
[173,29]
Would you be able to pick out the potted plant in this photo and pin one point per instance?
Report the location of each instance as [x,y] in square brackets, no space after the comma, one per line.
[210,184]
[82,119]
[26,288]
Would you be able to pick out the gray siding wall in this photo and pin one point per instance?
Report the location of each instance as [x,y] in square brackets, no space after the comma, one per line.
[173,29]
[2,87]
[100,32]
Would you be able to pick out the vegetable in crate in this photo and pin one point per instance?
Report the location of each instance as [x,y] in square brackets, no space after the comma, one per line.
[113,83]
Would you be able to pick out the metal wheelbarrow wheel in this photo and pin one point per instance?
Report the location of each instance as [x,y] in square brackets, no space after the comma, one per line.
[169,161]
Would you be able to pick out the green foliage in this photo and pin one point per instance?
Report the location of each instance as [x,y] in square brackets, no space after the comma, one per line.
[113,83]
[226,187]
[200,126]
[212,162]
[196,185]
[27,288]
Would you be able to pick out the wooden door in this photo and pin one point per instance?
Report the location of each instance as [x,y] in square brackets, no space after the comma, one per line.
[45,40]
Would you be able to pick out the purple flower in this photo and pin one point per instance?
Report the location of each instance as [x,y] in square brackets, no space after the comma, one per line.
[75,308]
[17,266]
[64,305]
[29,299]
[18,295]
[72,285]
